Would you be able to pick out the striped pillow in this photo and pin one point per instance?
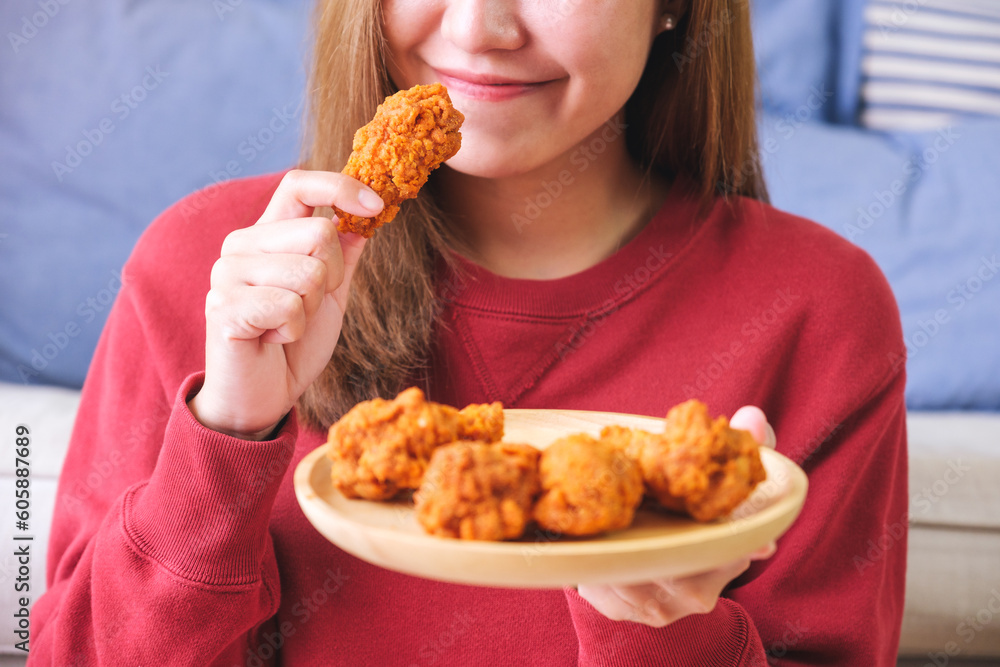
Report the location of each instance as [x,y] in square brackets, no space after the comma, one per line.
[927,64]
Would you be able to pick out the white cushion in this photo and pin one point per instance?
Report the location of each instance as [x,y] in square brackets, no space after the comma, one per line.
[955,469]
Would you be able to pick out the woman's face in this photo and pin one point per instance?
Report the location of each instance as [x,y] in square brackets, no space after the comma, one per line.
[534,78]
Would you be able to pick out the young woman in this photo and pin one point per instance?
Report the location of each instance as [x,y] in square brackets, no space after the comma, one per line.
[602,241]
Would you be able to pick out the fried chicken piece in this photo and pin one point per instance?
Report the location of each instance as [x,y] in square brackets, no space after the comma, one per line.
[698,466]
[588,487]
[412,133]
[478,491]
[631,441]
[481,421]
[381,447]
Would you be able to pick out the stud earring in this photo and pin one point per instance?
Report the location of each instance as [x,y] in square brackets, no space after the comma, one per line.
[668,22]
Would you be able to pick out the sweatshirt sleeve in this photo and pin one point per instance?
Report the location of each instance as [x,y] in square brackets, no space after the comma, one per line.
[160,551]
[833,592]
[724,636]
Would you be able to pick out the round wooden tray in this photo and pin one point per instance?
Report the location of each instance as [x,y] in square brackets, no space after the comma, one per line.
[657,544]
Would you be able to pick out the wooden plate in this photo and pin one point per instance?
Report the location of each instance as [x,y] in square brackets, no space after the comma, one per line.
[657,544]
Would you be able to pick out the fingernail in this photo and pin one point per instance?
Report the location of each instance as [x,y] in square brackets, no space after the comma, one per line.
[772,439]
[369,200]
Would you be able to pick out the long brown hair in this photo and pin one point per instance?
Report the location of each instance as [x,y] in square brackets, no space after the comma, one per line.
[692,115]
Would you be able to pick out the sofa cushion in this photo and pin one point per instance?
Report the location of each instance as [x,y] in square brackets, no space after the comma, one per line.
[952,594]
[111,111]
[954,469]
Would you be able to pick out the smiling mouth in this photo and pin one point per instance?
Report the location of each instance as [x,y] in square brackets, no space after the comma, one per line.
[487,87]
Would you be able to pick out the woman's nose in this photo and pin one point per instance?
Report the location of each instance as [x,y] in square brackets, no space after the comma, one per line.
[477,26]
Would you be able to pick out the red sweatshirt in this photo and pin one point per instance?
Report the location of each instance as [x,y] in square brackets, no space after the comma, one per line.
[175,545]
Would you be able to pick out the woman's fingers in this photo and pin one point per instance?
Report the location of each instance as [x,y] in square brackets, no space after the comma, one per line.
[664,601]
[605,600]
[306,236]
[751,418]
[657,603]
[304,275]
[301,191]
[667,600]
[313,237]
[764,552]
[249,312]
[276,304]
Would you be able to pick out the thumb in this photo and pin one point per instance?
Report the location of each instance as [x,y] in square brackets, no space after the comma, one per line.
[751,418]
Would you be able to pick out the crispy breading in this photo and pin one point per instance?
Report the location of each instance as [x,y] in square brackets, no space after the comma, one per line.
[697,466]
[381,447]
[478,491]
[412,133]
[588,487]
[481,421]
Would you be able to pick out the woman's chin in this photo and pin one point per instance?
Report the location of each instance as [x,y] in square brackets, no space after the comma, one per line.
[489,164]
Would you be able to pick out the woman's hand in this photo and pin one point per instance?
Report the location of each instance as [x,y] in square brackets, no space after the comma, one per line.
[276,303]
[663,601]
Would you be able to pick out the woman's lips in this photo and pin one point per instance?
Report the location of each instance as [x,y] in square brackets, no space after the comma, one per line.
[488,87]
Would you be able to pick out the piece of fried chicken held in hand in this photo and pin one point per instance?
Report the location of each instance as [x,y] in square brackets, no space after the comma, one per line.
[588,487]
[698,466]
[478,491]
[381,447]
[412,133]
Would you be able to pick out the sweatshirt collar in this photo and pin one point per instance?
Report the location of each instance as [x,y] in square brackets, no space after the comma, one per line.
[643,261]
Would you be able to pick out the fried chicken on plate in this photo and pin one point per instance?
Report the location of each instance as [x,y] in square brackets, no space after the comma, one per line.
[381,447]
[472,486]
[478,491]
[588,487]
[697,466]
